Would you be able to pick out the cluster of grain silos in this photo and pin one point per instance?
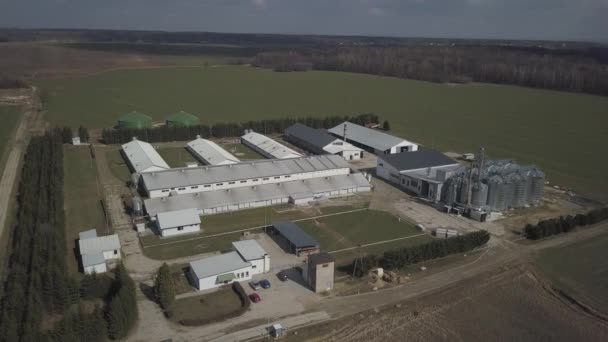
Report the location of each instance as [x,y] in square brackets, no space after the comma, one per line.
[501,185]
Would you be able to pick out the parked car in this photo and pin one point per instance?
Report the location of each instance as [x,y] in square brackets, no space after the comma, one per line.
[282,276]
[255,285]
[265,283]
[255,297]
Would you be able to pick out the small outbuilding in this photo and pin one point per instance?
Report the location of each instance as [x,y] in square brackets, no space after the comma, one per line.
[219,270]
[178,222]
[253,253]
[293,239]
[95,251]
[319,272]
[135,120]
[182,119]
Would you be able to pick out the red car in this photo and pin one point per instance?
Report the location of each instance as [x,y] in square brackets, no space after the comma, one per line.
[255,297]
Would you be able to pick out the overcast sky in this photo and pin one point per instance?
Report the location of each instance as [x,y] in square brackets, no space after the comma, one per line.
[518,19]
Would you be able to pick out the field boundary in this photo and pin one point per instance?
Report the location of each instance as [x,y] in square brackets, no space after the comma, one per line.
[377,243]
[246,229]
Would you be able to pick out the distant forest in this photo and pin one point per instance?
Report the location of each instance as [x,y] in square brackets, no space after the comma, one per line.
[566,66]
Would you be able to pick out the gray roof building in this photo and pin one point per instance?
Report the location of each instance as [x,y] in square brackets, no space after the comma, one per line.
[312,136]
[421,159]
[178,218]
[183,177]
[218,264]
[295,234]
[268,147]
[249,249]
[320,258]
[99,244]
[372,138]
[211,153]
[93,259]
[142,157]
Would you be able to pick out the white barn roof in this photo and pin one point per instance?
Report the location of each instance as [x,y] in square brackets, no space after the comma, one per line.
[249,249]
[143,157]
[211,153]
[218,264]
[368,137]
[182,177]
[266,192]
[93,259]
[99,244]
[87,234]
[270,146]
[178,218]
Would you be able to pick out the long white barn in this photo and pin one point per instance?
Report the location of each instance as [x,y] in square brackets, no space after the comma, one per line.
[211,153]
[142,157]
[296,192]
[268,147]
[372,140]
[246,174]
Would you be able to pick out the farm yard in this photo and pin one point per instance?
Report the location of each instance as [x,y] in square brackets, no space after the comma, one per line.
[580,270]
[529,125]
[176,156]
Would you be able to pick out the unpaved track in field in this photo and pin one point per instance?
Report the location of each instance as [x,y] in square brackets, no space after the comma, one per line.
[11,168]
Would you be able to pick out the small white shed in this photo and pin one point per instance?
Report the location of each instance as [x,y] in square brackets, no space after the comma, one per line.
[178,222]
[96,250]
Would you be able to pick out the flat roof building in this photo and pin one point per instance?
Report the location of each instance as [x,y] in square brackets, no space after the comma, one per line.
[219,270]
[211,153]
[178,222]
[296,192]
[422,172]
[253,253]
[319,272]
[372,140]
[246,174]
[95,250]
[320,142]
[293,239]
[267,147]
[142,157]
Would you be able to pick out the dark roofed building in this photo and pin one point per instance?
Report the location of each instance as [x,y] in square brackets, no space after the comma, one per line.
[320,272]
[293,239]
[422,172]
[321,142]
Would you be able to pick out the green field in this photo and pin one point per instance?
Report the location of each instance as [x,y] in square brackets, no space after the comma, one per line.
[8,117]
[208,307]
[580,270]
[354,229]
[177,156]
[82,204]
[562,132]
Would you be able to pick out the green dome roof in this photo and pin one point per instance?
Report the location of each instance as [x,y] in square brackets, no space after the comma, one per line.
[182,119]
[135,120]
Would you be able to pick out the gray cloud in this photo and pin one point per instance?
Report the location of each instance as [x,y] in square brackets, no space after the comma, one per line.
[519,19]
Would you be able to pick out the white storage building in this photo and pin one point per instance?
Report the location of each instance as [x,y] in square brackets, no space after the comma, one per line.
[142,157]
[95,251]
[246,174]
[178,222]
[211,153]
[296,192]
[253,253]
[422,172]
[219,270]
[268,147]
[372,140]
[319,142]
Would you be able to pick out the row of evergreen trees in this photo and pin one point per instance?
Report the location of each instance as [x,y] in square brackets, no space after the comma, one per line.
[67,134]
[164,289]
[223,130]
[563,224]
[438,248]
[37,286]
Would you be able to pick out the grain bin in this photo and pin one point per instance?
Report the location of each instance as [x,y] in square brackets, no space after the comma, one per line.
[479,198]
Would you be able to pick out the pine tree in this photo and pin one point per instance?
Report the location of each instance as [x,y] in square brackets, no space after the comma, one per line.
[386,126]
[164,288]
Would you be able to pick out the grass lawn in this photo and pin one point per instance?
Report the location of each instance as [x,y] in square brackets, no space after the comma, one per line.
[580,270]
[530,125]
[81,202]
[176,156]
[207,307]
[117,165]
[192,244]
[360,228]
[8,116]
[241,151]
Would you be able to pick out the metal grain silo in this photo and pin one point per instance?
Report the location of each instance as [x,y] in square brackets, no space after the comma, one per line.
[479,197]
[536,186]
[520,191]
[496,193]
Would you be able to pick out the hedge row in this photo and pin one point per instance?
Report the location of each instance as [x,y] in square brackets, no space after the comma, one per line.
[245,304]
[222,130]
[438,248]
[563,224]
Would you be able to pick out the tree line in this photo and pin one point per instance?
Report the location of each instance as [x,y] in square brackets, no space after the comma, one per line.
[222,130]
[37,287]
[540,68]
[437,248]
[10,83]
[564,224]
